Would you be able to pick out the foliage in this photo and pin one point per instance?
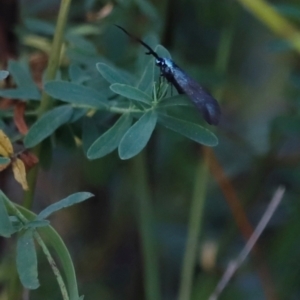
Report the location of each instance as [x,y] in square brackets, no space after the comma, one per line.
[96,99]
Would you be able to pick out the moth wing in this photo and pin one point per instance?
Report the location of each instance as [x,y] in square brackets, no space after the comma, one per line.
[202,99]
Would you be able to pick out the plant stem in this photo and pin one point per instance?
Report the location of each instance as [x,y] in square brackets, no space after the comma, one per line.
[149,249]
[201,180]
[194,229]
[46,103]
[56,242]
[268,15]
[54,59]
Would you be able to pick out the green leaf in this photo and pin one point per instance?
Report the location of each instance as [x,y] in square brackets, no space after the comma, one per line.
[19,93]
[4,160]
[60,250]
[178,100]
[3,74]
[77,75]
[110,74]
[39,26]
[21,74]
[75,93]
[47,124]
[162,52]
[27,261]
[81,43]
[131,92]
[78,113]
[6,227]
[110,140]
[146,80]
[148,9]
[26,87]
[66,202]
[192,131]
[137,136]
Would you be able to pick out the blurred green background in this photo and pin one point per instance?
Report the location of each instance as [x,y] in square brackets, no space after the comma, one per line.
[253,71]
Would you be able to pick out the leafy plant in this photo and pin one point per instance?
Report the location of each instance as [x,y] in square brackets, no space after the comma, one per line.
[96,98]
[139,104]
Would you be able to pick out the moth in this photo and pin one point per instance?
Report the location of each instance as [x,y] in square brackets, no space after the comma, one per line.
[184,84]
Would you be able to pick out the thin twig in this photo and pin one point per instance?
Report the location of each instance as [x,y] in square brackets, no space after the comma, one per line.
[235,264]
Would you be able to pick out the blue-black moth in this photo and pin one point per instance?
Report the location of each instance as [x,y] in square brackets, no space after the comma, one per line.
[184,84]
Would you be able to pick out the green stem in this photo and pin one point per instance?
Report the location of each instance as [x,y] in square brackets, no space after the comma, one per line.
[223,54]
[201,180]
[56,243]
[54,59]
[120,110]
[46,103]
[149,249]
[194,229]
[10,114]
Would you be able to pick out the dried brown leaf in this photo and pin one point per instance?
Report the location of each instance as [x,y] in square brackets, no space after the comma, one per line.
[19,171]
[6,148]
[19,120]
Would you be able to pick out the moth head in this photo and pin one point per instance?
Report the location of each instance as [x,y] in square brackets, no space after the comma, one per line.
[160,62]
[165,65]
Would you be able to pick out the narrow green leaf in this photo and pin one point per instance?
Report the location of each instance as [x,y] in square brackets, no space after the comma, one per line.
[27,261]
[4,160]
[47,124]
[6,227]
[131,92]
[81,43]
[3,74]
[66,202]
[137,136]
[110,74]
[110,140]
[192,131]
[162,52]
[20,73]
[39,26]
[20,93]
[148,9]
[178,100]
[60,250]
[146,80]
[75,93]
[77,75]
[78,113]
[26,89]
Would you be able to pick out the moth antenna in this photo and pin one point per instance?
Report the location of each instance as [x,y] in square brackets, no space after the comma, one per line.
[150,50]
